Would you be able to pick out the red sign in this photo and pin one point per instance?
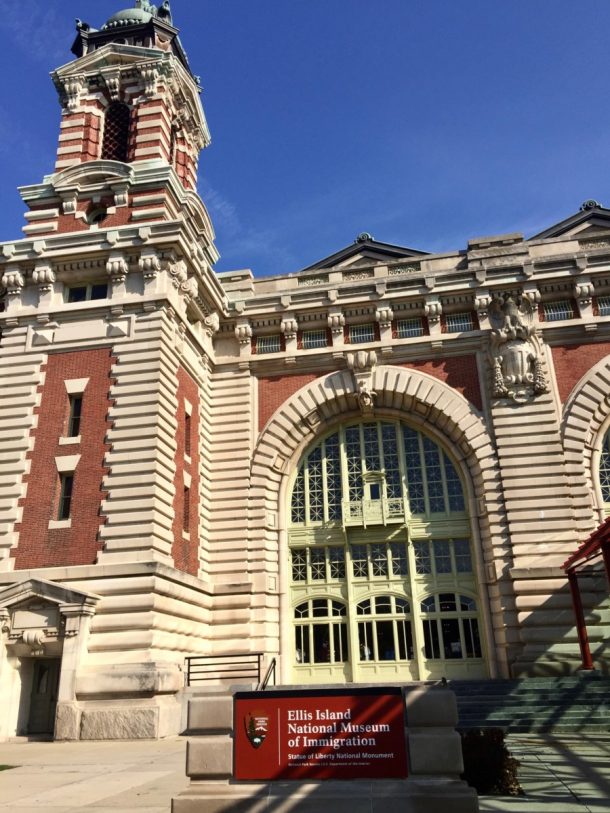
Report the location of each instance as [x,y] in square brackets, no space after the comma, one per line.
[358,734]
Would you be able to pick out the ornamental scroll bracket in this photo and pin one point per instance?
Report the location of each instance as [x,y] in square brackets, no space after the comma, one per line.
[515,349]
[362,365]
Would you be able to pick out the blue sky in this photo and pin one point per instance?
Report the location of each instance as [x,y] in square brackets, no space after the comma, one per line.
[424,122]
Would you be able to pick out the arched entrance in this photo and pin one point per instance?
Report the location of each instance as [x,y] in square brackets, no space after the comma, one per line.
[382,580]
[314,413]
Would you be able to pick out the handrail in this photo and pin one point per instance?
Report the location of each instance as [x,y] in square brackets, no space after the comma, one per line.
[270,671]
[238,666]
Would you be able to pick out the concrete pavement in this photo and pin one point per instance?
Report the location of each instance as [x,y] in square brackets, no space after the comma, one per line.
[558,775]
[105,777]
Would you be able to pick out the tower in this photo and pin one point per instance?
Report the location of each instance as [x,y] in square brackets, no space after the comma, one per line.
[110,306]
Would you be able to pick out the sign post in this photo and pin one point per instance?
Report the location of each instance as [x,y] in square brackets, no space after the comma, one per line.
[319,735]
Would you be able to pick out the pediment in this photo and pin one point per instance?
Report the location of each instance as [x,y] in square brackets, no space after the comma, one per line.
[22,593]
[365,251]
[93,172]
[591,220]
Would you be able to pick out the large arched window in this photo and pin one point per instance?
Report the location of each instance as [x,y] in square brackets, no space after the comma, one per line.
[117,121]
[604,472]
[375,471]
[377,524]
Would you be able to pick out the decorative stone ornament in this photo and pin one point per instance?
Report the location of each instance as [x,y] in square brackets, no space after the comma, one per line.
[384,316]
[73,87]
[433,310]
[515,349]
[362,365]
[211,323]
[243,333]
[117,267]
[336,322]
[289,327]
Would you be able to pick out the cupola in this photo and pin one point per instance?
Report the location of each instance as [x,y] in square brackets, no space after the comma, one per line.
[131,131]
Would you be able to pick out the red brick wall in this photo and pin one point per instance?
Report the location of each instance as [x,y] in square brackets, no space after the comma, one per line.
[272,392]
[573,361]
[185,549]
[40,546]
[459,372]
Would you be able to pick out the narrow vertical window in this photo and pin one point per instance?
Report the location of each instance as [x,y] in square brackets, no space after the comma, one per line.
[66,484]
[76,406]
[115,146]
[187,434]
[186,510]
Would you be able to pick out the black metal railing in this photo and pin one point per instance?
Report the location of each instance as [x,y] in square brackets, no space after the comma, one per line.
[248,666]
[270,673]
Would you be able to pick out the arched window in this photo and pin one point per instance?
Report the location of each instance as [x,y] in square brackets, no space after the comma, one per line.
[320,631]
[604,472]
[117,120]
[384,629]
[451,627]
[372,472]
[378,525]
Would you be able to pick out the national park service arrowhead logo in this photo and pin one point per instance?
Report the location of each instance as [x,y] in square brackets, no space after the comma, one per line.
[257,727]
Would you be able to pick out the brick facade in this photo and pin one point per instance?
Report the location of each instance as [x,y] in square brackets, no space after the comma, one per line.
[185,550]
[573,361]
[274,390]
[39,545]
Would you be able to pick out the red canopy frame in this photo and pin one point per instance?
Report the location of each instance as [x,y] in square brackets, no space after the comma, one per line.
[597,544]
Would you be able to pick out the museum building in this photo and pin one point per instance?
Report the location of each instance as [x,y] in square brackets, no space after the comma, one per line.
[371,470]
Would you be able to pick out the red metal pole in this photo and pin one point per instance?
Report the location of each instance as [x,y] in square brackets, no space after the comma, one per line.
[581,626]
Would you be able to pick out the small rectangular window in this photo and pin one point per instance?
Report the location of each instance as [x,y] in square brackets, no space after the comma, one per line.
[84,293]
[186,510]
[556,311]
[313,339]
[187,434]
[99,291]
[359,334]
[66,484]
[78,294]
[459,322]
[409,328]
[76,406]
[603,305]
[268,344]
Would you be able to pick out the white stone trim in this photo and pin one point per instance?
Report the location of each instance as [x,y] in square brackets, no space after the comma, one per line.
[67,463]
[76,386]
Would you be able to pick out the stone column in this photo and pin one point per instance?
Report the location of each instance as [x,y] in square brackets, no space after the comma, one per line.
[76,634]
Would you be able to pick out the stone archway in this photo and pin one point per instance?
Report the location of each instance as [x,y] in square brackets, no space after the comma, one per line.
[397,392]
[586,415]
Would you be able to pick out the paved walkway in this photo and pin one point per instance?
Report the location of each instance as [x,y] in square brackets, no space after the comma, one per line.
[105,777]
[558,775]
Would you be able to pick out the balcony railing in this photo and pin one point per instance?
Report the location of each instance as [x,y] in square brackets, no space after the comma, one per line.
[374,512]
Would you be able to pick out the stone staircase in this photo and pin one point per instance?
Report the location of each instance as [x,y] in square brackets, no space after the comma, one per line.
[560,705]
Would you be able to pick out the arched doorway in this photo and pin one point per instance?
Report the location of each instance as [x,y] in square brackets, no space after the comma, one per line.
[382,581]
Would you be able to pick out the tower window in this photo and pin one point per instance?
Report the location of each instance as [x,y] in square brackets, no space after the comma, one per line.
[66,484]
[186,511]
[84,293]
[187,434]
[117,121]
[76,406]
